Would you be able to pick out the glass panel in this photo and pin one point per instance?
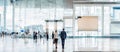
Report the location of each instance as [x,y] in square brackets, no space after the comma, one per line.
[51,26]
[90,10]
[69,26]
[115,20]
[59,26]
[1,15]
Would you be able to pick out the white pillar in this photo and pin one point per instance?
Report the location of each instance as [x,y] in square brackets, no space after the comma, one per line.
[5,7]
[13,17]
[102,19]
[73,26]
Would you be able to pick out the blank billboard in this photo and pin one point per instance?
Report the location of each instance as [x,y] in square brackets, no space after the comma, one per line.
[88,23]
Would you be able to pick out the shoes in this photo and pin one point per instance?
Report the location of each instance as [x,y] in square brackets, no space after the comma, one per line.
[56,47]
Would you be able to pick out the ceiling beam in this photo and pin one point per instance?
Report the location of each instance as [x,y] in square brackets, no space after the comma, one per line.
[78,2]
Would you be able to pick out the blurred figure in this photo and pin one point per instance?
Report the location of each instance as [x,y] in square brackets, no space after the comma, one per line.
[55,40]
[52,34]
[3,33]
[0,34]
[39,34]
[63,36]
[26,33]
[47,36]
[34,35]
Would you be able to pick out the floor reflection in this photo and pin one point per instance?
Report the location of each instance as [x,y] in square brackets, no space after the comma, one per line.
[8,44]
[54,50]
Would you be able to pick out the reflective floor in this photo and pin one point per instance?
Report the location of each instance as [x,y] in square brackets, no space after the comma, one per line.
[8,44]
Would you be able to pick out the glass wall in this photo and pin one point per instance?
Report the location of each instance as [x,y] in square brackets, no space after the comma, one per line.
[89,10]
[108,24]
[107,15]
[29,12]
[35,12]
[2,14]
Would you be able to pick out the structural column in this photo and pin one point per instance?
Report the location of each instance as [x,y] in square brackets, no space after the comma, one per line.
[73,25]
[5,7]
[13,17]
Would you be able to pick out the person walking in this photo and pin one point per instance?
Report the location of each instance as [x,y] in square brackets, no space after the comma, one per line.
[55,39]
[53,35]
[34,35]
[63,36]
[39,34]
[47,36]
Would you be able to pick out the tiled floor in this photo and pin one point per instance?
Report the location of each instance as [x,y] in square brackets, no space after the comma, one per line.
[8,44]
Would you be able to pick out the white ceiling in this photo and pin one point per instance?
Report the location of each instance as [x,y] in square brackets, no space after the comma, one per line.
[44,3]
[48,3]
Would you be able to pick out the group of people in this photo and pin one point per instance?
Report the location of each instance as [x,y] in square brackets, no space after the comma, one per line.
[62,35]
[55,35]
[35,35]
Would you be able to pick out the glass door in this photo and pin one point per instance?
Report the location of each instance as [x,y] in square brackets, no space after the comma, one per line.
[52,26]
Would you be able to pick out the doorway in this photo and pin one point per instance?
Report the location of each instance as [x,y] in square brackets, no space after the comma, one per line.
[52,25]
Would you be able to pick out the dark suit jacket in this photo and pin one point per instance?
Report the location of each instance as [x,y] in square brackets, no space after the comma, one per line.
[63,35]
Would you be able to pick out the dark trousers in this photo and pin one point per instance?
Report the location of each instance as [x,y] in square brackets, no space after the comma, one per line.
[63,43]
[34,37]
[47,37]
